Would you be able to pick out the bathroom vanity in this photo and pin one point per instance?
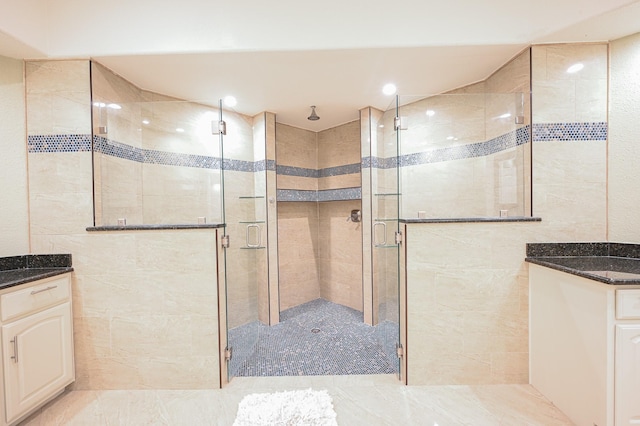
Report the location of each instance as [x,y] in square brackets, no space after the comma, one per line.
[37,333]
[585,330]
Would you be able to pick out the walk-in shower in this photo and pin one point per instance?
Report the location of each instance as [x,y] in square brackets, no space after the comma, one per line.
[311,264]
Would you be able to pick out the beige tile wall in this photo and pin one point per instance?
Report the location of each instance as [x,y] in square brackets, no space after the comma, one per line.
[296,148]
[14,225]
[480,186]
[624,150]
[326,259]
[569,179]
[467,284]
[467,294]
[340,254]
[144,302]
[298,250]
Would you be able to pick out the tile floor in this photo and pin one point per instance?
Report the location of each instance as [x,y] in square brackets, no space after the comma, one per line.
[316,338]
[357,400]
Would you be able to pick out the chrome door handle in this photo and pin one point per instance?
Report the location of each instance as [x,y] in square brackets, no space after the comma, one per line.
[51,287]
[15,349]
[258,236]
[384,230]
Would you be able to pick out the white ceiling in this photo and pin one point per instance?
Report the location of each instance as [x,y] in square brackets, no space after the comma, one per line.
[285,56]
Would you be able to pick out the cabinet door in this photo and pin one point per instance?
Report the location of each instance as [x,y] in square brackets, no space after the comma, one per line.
[37,358]
[627,383]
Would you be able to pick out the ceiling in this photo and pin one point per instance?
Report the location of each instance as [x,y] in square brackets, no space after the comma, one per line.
[336,54]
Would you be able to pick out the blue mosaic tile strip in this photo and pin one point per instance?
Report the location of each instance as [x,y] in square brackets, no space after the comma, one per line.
[116,149]
[347,169]
[342,194]
[570,131]
[340,344]
[297,171]
[262,165]
[238,165]
[509,140]
[59,143]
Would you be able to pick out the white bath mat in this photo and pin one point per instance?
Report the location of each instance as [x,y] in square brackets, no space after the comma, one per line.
[302,407]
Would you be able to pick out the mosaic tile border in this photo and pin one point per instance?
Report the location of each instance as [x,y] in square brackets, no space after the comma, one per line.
[509,140]
[346,169]
[59,143]
[538,132]
[596,131]
[342,194]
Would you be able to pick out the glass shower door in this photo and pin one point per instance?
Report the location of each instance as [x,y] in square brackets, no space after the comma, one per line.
[244,243]
[385,200]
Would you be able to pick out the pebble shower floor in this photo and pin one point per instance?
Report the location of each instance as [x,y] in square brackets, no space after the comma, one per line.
[316,338]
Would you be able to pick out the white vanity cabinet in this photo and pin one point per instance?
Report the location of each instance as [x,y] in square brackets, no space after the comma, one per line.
[627,358]
[585,347]
[37,344]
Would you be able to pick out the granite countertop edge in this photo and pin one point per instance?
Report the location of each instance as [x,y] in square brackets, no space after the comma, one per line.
[473,220]
[30,275]
[621,257]
[17,270]
[154,227]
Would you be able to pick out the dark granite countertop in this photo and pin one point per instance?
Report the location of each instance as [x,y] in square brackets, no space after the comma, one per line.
[16,270]
[609,263]
[473,219]
[154,227]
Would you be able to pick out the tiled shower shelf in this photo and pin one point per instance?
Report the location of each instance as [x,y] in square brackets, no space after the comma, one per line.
[16,270]
[609,263]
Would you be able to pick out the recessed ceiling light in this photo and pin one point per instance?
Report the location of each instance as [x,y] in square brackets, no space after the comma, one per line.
[505,115]
[114,106]
[180,130]
[389,89]
[145,121]
[430,112]
[230,101]
[450,138]
[575,68]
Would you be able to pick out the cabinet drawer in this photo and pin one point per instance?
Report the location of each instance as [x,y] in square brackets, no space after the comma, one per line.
[628,304]
[45,293]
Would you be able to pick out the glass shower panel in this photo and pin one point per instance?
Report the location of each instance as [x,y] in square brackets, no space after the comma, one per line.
[156,163]
[244,195]
[464,155]
[385,199]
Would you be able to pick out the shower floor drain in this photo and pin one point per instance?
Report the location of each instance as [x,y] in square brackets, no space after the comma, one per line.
[315,330]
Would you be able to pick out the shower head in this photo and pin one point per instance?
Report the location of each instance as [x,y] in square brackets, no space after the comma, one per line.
[313,116]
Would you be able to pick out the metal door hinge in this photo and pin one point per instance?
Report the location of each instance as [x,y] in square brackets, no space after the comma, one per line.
[398,237]
[228,353]
[219,127]
[399,350]
[224,240]
[399,123]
